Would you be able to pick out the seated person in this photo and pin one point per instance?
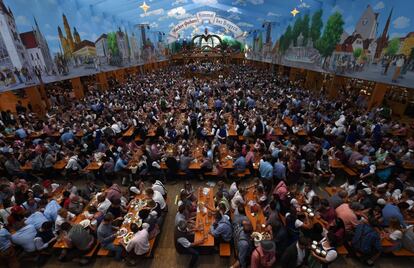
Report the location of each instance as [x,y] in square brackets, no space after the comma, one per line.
[116,209]
[106,235]
[24,235]
[63,216]
[185,244]
[79,241]
[139,244]
[367,243]
[45,236]
[221,229]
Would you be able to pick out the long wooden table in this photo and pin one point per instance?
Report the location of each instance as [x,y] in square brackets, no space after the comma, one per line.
[204,219]
[257,219]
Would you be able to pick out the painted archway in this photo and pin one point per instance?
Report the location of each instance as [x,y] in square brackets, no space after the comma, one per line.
[201,17]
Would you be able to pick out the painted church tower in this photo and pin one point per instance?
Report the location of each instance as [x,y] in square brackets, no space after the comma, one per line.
[367,25]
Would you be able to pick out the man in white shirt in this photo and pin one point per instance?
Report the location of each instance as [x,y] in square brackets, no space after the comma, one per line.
[139,244]
[159,186]
[103,203]
[157,197]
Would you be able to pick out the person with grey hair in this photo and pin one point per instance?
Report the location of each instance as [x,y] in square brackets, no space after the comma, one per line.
[185,243]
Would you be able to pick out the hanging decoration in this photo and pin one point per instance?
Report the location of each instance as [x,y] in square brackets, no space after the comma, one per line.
[144,7]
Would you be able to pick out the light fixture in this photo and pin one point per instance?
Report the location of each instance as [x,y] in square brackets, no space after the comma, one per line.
[294,12]
[144,7]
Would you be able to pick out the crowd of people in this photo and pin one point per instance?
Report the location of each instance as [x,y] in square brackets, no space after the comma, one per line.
[155,126]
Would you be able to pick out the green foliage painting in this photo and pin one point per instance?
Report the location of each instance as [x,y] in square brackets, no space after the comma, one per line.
[393,47]
[112,44]
[331,35]
[316,26]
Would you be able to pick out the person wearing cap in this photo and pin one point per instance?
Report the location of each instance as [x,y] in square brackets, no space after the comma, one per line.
[106,235]
[185,244]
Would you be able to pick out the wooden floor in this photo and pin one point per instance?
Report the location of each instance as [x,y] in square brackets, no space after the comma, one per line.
[166,256]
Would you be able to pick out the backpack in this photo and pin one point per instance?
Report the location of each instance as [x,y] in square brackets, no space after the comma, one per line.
[408,239]
[267,258]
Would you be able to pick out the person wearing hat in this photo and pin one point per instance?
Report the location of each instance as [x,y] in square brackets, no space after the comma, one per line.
[106,235]
[264,255]
[185,243]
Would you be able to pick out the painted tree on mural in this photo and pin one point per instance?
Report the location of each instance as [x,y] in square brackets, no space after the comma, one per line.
[316,26]
[393,47]
[305,29]
[286,39]
[331,36]
[297,28]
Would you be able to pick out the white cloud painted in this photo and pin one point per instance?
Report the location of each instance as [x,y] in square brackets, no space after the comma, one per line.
[401,22]
[156,12]
[179,2]
[379,5]
[244,24]
[234,10]
[178,13]
[271,14]
[233,16]
[22,20]
[239,3]
[205,2]
[256,2]
[304,5]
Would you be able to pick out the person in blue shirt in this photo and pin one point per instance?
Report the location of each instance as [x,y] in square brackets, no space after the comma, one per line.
[67,136]
[266,173]
[221,229]
[218,104]
[392,211]
[7,251]
[121,164]
[240,164]
[21,133]
[279,170]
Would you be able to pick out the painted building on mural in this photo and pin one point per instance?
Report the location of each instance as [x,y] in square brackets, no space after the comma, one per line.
[123,46]
[37,49]
[12,51]
[102,51]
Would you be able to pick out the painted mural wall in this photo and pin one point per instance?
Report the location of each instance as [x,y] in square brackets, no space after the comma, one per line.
[50,40]
[372,40]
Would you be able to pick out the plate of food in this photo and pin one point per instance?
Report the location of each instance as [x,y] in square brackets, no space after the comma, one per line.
[128,237]
[122,232]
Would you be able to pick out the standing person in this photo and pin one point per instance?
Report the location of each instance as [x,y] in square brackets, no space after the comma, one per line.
[185,244]
[295,254]
[399,64]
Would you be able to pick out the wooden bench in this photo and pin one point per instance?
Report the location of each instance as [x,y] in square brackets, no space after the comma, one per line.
[403,253]
[150,253]
[92,252]
[243,174]
[350,171]
[212,173]
[225,250]
[102,252]
[342,250]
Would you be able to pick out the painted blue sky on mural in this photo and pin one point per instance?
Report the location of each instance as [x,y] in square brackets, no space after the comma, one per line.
[94,17]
